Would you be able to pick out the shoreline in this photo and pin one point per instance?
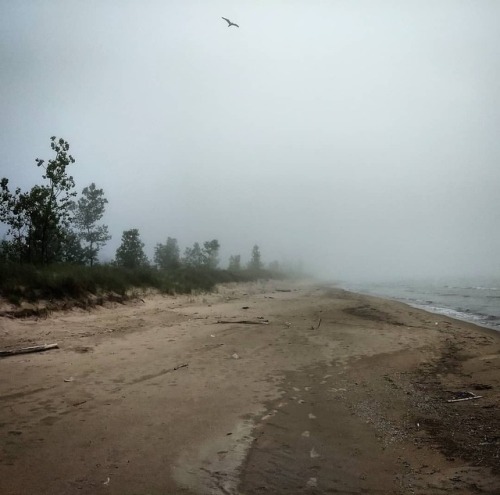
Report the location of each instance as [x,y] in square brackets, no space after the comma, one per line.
[339,391]
[438,308]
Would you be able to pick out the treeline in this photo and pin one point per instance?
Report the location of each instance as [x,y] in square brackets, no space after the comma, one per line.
[53,239]
[46,224]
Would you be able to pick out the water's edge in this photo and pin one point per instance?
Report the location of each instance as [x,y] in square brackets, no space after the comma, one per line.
[474,304]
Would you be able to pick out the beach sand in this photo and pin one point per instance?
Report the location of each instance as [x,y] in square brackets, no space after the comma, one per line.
[320,391]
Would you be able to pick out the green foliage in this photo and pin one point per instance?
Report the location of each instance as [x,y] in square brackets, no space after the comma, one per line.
[71,248]
[193,257]
[38,219]
[167,256]
[207,257]
[65,281]
[211,253]
[255,261]
[234,263]
[131,254]
[8,252]
[88,210]
[49,235]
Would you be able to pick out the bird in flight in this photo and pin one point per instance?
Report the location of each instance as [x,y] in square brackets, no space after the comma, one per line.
[229,23]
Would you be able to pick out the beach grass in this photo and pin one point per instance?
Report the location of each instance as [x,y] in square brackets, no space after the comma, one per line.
[24,282]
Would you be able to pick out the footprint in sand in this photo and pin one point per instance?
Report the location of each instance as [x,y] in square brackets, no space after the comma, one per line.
[269,415]
[312,482]
[313,453]
[49,420]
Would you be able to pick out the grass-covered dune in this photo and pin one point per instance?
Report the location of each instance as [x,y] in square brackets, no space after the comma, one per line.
[23,282]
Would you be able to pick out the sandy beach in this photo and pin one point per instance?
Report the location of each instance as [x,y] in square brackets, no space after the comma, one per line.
[262,388]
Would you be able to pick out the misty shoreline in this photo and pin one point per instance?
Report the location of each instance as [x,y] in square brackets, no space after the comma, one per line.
[302,386]
[469,303]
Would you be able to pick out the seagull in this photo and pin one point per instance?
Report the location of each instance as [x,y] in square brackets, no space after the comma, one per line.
[229,23]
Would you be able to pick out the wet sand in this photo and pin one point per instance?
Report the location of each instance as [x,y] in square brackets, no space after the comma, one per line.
[320,391]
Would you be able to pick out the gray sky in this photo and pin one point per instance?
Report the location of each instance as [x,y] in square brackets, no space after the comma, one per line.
[360,136]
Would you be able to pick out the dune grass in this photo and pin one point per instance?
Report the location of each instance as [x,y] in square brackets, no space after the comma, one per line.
[64,281]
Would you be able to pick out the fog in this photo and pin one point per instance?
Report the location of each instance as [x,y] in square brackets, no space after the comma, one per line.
[360,137]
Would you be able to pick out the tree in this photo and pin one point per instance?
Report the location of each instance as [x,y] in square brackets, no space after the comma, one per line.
[7,251]
[255,262]
[235,263]
[37,220]
[15,213]
[211,253]
[88,210]
[193,257]
[71,249]
[131,254]
[167,255]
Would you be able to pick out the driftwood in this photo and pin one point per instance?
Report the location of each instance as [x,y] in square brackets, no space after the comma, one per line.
[472,397]
[246,322]
[319,323]
[179,367]
[26,350]
[283,290]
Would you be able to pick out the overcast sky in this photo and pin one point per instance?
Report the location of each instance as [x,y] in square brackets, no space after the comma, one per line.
[359,136]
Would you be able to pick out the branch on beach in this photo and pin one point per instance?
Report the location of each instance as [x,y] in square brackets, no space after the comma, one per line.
[471,397]
[246,322]
[175,368]
[26,350]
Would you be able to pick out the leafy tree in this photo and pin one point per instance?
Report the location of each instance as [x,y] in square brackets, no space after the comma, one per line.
[255,262]
[71,249]
[194,256]
[15,213]
[207,257]
[7,251]
[37,219]
[167,256]
[211,253]
[235,263]
[131,254]
[88,210]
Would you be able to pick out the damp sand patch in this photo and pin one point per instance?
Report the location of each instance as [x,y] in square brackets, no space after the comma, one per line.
[214,468]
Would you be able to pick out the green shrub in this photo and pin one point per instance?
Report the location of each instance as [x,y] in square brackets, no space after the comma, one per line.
[66,281]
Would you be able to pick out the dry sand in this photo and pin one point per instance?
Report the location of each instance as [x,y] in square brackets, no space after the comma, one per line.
[338,393]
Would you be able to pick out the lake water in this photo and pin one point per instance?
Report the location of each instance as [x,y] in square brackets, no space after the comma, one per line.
[477,302]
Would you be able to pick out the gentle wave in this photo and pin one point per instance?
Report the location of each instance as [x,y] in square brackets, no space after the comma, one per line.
[476,303]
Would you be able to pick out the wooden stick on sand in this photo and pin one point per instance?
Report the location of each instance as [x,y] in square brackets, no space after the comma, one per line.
[26,350]
[246,322]
[466,398]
